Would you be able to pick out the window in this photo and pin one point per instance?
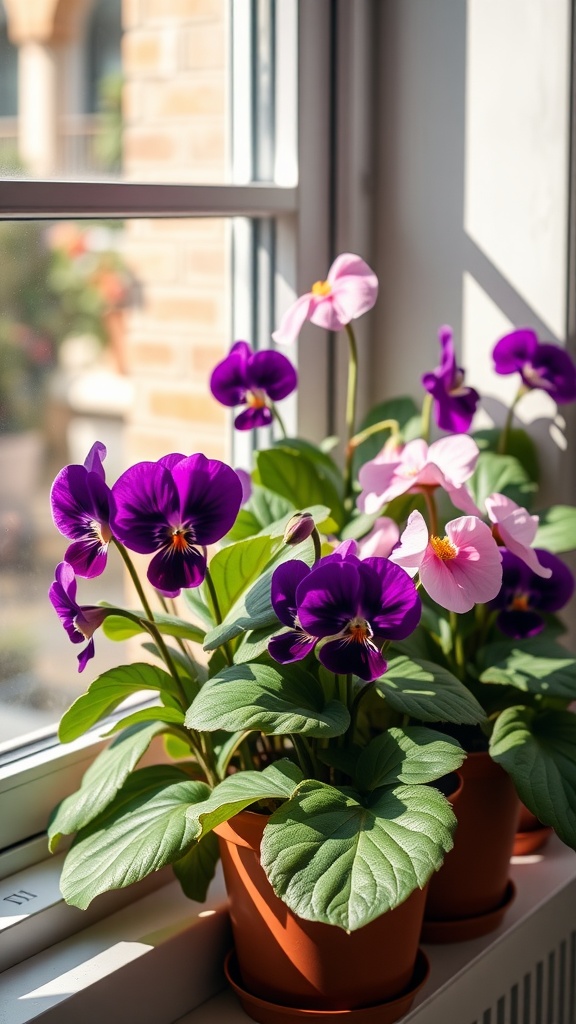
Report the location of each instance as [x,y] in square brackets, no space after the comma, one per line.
[257,235]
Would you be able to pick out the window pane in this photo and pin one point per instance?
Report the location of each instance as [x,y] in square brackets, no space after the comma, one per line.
[138,92]
[108,332]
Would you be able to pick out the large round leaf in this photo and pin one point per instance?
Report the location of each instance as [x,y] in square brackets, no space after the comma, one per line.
[269,700]
[538,749]
[108,691]
[101,782]
[334,859]
[413,755]
[533,665]
[426,690]
[276,782]
[141,831]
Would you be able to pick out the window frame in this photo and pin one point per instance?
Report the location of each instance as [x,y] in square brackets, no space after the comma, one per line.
[39,777]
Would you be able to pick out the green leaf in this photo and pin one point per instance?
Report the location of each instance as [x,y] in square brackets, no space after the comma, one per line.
[263,508]
[253,644]
[275,701]
[414,755]
[195,870]
[276,782]
[534,665]
[235,567]
[557,529]
[102,781]
[116,627]
[325,462]
[170,716]
[501,474]
[332,858]
[107,692]
[141,831]
[426,690]
[519,444]
[253,609]
[538,749]
[292,474]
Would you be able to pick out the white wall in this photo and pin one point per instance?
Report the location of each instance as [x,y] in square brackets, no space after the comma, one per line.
[472,125]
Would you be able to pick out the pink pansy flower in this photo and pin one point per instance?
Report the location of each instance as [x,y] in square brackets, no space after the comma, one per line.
[350,290]
[381,540]
[446,463]
[516,529]
[459,570]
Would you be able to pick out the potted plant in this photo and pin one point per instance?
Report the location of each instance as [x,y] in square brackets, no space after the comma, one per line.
[315,740]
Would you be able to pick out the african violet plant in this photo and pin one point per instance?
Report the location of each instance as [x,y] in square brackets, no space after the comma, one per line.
[353,622]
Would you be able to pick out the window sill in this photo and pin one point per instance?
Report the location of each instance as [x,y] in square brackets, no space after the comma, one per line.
[158,961]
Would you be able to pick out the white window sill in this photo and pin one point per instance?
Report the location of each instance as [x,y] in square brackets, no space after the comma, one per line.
[158,961]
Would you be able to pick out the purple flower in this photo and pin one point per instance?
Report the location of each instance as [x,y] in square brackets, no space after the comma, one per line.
[82,509]
[345,606]
[174,508]
[253,379]
[540,364]
[454,403]
[525,595]
[79,621]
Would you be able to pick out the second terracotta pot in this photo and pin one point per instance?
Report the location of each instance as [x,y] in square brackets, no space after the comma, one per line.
[474,879]
[287,960]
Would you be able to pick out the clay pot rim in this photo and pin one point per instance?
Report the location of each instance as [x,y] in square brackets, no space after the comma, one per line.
[277,1013]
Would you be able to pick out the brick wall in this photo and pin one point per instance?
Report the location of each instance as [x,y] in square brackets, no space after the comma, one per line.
[174,58]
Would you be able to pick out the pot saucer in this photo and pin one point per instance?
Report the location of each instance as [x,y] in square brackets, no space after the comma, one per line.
[464,928]
[531,840]
[274,1013]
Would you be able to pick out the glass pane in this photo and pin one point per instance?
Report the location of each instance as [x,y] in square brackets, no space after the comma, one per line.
[138,92]
[108,332]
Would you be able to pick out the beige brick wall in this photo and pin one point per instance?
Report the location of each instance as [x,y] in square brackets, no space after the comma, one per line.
[175,58]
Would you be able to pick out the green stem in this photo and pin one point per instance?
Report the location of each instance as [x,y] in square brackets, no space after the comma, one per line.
[317,545]
[351,398]
[426,416]
[392,425]
[505,435]
[218,614]
[135,578]
[459,656]
[432,513]
[304,755]
[278,419]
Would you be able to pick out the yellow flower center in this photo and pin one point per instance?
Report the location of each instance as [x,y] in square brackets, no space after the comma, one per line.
[102,532]
[520,603]
[321,288]
[359,630]
[179,539]
[444,548]
[256,399]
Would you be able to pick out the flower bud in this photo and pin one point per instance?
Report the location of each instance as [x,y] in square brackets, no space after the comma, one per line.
[299,527]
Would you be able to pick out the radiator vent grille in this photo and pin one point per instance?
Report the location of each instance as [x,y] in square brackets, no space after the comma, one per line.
[545,995]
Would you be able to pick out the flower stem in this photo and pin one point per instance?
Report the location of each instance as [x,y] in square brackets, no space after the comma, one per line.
[459,656]
[432,513]
[217,613]
[505,435]
[278,419]
[426,416]
[135,578]
[392,425]
[304,755]
[351,399]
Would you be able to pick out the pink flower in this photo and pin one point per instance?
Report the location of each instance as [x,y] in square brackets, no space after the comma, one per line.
[459,570]
[350,290]
[446,463]
[516,530]
[381,540]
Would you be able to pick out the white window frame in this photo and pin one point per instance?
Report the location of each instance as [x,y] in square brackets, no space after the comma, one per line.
[32,784]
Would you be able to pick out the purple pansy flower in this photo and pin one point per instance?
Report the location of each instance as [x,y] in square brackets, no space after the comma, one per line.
[525,595]
[454,402]
[82,509]
[173,508]
[79,621]
[540,364]
[253,379]
[347,607]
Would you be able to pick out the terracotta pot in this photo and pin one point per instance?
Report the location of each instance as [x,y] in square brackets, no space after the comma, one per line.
[473,886]
[286,960]
[531,834]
